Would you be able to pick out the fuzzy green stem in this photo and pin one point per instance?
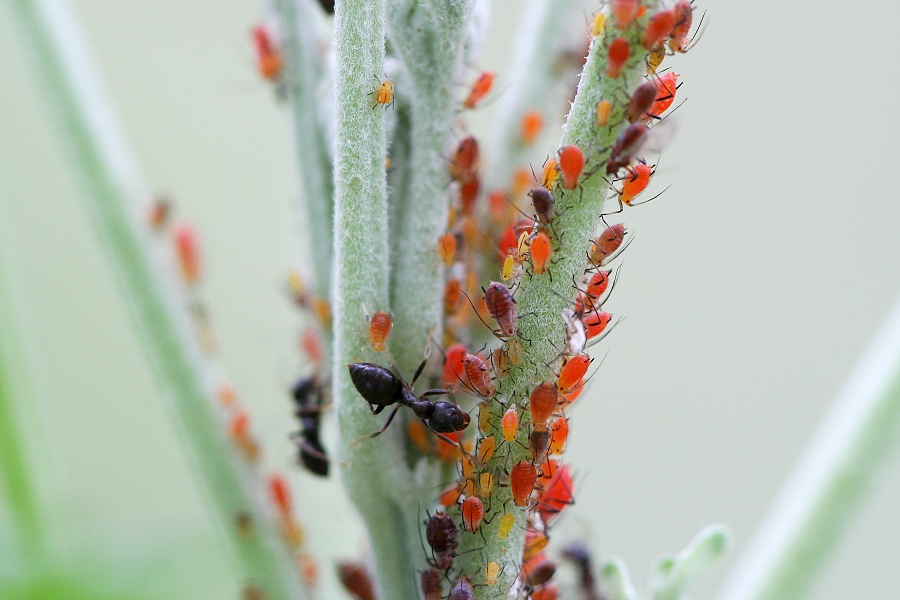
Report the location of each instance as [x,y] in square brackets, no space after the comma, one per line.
[111,189]
[830,482]
[302,79]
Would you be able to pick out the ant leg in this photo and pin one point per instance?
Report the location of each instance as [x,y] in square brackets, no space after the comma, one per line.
[377,433]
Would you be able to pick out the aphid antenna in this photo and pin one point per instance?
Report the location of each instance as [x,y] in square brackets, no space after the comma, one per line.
[495,332]
[650,199]
[599,338]
[698,33]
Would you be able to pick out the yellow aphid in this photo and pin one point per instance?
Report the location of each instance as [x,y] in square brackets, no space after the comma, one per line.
[604,109]
[508,264]
[655,59]
[514,351]
[487,484]
[598,24]
[491,573]
[384,95]
[484,417]
[522,246]
[506,524]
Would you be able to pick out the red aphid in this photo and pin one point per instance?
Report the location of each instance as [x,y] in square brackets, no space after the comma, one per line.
[572,372]
[522,479]
[356,580]
[478,375]
[480,89]
[454,365]
[658,29]
[239,427]
[557,494]
[281,495]
[502,307]
[684,18]
[571,164]
[542,403]
[379,329]
[452,296]
[472,511]
[532,123]
[595,323]
[541,249]
[617,56]
[636,182]
[641,100]
[268,58]
[508,243]
[462,165]
[606,244]
[627,145]
[468,193]
[666,86]
[597,286]
[546,592]
[312,344]
[624,12]
[187,249]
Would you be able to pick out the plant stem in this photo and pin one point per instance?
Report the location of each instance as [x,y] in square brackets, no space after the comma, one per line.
[112,188]
[830,482]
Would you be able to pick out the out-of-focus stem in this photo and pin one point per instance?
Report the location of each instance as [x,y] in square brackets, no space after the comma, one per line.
[830,482]
[113,190]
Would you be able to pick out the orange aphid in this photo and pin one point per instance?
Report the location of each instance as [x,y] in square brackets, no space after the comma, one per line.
[468,467]
[550,173]
[604,110]
[485,484]
[572,371]
[226,395]
[658,29]
[311,344]
[542,403]
[418,433]
[464,159]
[521,181]
[468,193]
[187,249]
[571,164]
[666,85]
[447,248]
[617,56]
[293,533]
[454,367]
[452,296]
[478,376]
[624,12]
[572,395]
[480,89]
[447,452]
[239,428]
[595,323]
[268,59]
[486,448]
[636,182]
[468,487]
[559,434]
[499,360]
[281,495]
[606,244]
[684,17]
[384,95]
[532,124]
[546,592]
[498,204]
[309,569]
[322,309]
[450,496]
[596,287]
[379,329]
[159,212]
[472,511]
[548,470]
[541,249]
[522,478]
[557,494]
[535,542]
[509,423]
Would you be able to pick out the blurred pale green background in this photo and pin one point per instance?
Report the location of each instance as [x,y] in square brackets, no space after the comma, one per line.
[752,286]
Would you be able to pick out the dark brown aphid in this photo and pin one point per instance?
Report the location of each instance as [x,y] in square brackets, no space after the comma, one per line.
[542,200]
[462,590]
[356,580]
[502,307]
[539,442]
[539,574]
[441,533]
[641,101]
[627,145]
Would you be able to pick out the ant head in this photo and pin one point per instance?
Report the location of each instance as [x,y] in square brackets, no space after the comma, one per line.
[447,418]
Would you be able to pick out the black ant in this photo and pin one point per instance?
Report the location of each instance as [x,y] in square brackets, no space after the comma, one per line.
[380,387]
[308,401]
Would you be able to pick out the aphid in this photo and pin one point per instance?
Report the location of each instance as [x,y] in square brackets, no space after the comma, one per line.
[509,423]
[308,397]
[380,388]
[479,90]
[539,444]
[571,164]
[506,245]
[596,323]
[684,17]
[538,571]
[596,287]
[478,376]
[598,24]
[543,203]
[311,344]
[604,110]
[486,484]
[572,371]
[522,479]
[452,297]
[498,205]
[658,29]
[418,434]
[491,571]
[187,249]
[454,367]
[281,495]
[450,496]
[607,243]
[322,309]
[472,511]
[226,395]
[468,193]
[522,179]
[502,308]
[356,580]
[535,542]
[514,351]
[462,165]
[635,182]
[549,173]
[309,570]
[542,403]
[467,467]
[559,434]
[447,248]
[462,590]
[484,417]
[654,59]
[666,85]
[641,100]
[239,430]
[384,95]
[379,328]
[548,592]
[268,58]
[557,494]
[441,533]
[159,212]
[626,146]
[624,12]
[506,272]
[616,57]
[506,524]
[486,448]
[541,249]
[531,125]
[431,584]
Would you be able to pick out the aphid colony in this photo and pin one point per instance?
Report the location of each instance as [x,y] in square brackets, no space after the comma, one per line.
[512,483]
